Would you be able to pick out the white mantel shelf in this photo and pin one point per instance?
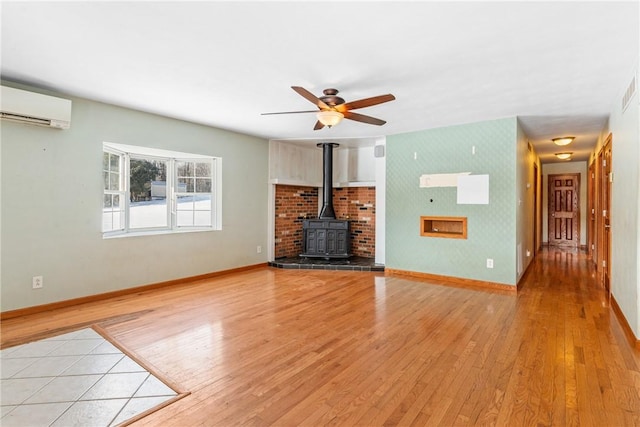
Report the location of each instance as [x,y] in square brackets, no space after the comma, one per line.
[319,184]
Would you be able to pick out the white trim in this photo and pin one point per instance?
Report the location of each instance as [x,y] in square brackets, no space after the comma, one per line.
[381,187]
[153,152]
[155,232]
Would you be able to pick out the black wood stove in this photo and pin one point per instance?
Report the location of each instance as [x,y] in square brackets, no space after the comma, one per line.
[326,237]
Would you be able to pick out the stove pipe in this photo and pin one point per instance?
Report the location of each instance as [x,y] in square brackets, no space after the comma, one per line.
[327,211]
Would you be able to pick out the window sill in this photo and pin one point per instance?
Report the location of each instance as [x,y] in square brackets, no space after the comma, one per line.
[155,232]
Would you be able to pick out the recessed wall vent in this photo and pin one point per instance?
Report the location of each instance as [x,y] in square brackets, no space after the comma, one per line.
[628,95]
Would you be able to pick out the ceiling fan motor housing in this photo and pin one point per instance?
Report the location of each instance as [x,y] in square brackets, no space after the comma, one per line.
[331,97]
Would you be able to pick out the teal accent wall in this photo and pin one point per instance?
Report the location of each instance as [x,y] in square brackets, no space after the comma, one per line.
[491,228]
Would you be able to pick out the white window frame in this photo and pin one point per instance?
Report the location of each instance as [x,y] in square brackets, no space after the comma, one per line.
[121,192]
[214,178]
[130,151]
[127,179]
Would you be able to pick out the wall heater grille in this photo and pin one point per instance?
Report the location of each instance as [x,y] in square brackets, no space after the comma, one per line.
[628,94]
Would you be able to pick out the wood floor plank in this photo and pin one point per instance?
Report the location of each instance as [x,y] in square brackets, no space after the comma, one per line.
[303,347]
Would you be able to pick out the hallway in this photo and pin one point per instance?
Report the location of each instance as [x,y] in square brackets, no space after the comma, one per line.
[576,353]
[302,347]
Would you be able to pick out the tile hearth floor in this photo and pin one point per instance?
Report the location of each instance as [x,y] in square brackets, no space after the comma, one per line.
[353,263]
[75,379]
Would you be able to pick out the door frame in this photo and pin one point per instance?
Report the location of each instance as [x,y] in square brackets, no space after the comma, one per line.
[606,153]
[591,212]
[599,232]
[537,229]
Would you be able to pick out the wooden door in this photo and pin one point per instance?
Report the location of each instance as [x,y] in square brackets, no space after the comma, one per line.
[591,211]
[564,210]
[606,213]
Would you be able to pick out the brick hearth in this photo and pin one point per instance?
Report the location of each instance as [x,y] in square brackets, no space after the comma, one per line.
[295,203]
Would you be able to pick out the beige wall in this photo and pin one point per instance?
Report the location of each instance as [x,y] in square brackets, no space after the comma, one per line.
[624,125]
[52,206]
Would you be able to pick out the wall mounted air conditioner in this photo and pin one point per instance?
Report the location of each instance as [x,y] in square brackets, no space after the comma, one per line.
[33,108]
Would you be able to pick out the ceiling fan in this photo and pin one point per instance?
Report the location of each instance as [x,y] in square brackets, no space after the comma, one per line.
[332,108]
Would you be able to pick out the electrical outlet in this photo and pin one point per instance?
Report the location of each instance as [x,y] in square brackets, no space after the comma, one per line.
[489,263]
[37,282]
[259,249]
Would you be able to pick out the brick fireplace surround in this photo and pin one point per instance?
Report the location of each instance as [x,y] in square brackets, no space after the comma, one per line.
[296,203]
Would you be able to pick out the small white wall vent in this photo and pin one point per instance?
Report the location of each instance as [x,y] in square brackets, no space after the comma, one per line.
[628,94]
[34,108]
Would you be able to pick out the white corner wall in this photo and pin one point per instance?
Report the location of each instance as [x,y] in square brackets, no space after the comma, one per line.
[625,208]
[381,200]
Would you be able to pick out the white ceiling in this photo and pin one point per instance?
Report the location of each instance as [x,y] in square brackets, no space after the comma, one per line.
[559,66]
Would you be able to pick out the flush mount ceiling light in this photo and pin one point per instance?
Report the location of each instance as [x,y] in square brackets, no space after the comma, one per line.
[565,140]
[329,117]
[564,156]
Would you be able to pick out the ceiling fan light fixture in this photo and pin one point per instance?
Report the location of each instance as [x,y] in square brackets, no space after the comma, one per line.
[329,117]
[332,108]
[565,140]
[564,156]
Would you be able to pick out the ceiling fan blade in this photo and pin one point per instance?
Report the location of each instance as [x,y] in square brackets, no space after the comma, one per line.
[362,118]
[289,112]
[366,102]
[318,125]
[311,97]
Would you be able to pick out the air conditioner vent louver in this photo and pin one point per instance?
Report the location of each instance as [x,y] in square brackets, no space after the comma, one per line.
[628,94]
[33,108]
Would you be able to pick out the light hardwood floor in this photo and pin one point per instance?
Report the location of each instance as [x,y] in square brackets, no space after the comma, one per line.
[285,347]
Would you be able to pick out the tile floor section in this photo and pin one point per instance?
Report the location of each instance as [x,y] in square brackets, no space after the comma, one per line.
[75,379]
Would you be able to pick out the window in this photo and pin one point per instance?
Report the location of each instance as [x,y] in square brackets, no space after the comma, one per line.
[113,206]
[156,191]
[193,193]
[148,204]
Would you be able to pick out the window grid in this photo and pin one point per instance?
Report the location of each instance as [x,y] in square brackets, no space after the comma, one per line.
[113,212]
[148,211]
[194,198]
[186,184]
